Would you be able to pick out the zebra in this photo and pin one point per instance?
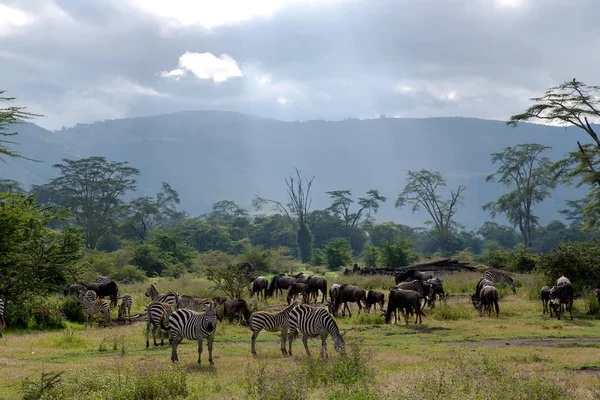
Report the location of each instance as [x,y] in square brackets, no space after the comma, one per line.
[271,322]
[192,303]
[102,279]
[2,323]
[189,324]
[90,294]
[156,313]
[313,322]
[91,307]
[169,297]
[496,275]
[126,303]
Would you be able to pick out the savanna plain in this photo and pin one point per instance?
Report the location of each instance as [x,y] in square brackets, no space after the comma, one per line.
[453,354]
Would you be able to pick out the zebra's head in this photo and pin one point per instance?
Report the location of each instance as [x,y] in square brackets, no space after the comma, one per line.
[210,317]
[339,344]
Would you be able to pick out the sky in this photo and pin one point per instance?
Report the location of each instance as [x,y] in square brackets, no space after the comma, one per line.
[83,61]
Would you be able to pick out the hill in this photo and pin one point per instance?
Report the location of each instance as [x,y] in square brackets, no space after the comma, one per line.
[213,155]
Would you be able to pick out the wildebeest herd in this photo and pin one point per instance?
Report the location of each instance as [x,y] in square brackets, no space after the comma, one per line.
[195,318]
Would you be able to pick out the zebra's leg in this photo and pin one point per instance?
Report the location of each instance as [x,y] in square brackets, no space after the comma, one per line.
[174,342]
[291,335]
[162,336]
[324,346]
[211,339]
[148,335]
[283,339]
[254,335]
[200,338]
[305,342]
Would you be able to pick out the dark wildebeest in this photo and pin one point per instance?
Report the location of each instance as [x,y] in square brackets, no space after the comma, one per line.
[437,289]
[356,269]
[411,275]
[259,286]
[488,297]
[314,284]
[280,282]
[405,301]
[236,307]
[109,289]
[73,289]
[333,292]
[482,282]
[296,289]
[423,288]
[349,294]
[373,298]
[545,299]
[562,295]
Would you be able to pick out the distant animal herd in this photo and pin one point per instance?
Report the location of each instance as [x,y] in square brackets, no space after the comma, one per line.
[195,318]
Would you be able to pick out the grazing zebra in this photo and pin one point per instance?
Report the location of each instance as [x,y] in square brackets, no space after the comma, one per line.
[496,275]
[157,313]
[98,306]
[313,322]
[271,322]
[2,323]
[192,303]
[189,324]
[102,279]
[126,303]
[170,297]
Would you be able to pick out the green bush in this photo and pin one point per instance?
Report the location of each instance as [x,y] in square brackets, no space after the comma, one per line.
[370,255]
[337,253]
[72,310]
[47,317]
[520,259]
[129,273]
[258,256]
[318,257]
[397,254]
[17,317]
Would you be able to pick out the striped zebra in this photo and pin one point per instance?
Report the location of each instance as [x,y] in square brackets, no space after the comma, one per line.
[271,322]
[102,279]
[169,297]
[157,313]
[313,322]
[496,275]
[2,323]
[192,325]
[126,303]
[98,306]
[90,294]
[192,302]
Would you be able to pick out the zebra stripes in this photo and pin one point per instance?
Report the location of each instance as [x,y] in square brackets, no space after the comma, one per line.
[126,303]
[169,297]
[2,323]
[271,322]
[313,322]
[192,325]
[98,306]
[193,303]
[157,314]
[102,279]
[496,275]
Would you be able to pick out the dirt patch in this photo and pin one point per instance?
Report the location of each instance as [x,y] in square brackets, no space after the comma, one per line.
[547,342]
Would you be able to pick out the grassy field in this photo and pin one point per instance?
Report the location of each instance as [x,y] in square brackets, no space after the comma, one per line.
[454,354]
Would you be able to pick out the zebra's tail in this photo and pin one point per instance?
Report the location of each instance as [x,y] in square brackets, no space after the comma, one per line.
[2,322]
[162,322]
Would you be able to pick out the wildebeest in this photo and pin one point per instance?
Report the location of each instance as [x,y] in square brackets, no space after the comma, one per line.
[405,301]
[411,275]
[316,284]
[349,294]
[545,299]
[259,286]
[109,289]
[488,297]
[333,292]
[280,282]
[421,287]
[374,297]
[73,289]
[482,282]
[562,294]
[296,289]
[236,307]
[437,289]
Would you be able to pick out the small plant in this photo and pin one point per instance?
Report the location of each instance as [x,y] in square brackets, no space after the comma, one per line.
[262,382]
[452,312]
[70,339]
[72,310]
[46,317]
[35,389]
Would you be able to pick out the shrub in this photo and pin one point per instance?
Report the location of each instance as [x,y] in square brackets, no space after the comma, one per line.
[17,317]
[258,256]
[47,317]
[129,273]
[397,254]
[370,254]
[318,257]
[72,310]
[337,253]
[452,312]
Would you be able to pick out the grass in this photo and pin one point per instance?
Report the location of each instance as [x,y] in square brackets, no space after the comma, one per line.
[443,357]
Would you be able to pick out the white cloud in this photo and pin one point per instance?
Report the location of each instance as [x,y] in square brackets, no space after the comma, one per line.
[126,87]
[210,14]
[13,18]
[206,66]
[282,100]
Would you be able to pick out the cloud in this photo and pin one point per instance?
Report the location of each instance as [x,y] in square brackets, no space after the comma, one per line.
[126,87]
[11,18]
[206,66]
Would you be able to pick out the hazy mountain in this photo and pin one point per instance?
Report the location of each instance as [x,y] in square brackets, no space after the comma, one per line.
[212,155]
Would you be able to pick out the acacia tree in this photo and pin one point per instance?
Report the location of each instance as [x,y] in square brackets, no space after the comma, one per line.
[10,116]
[92,188]
[570,104]
[422,190]
[296,211]
[531,175]
[225,209]
[341,208]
